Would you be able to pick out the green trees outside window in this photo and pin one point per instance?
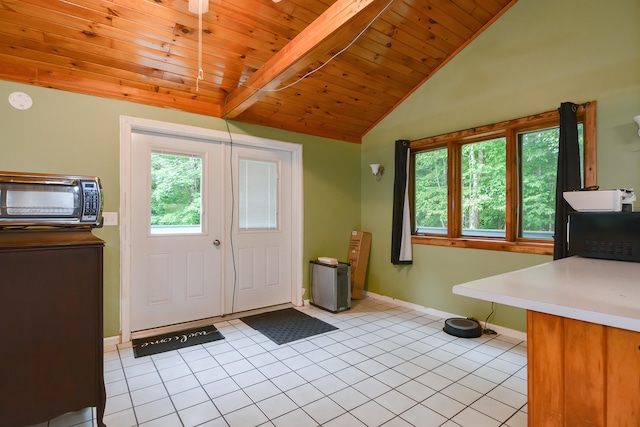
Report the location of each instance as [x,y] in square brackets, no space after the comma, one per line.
[484,188]
[431,191]
[484,181]
[493,186]
[175,190]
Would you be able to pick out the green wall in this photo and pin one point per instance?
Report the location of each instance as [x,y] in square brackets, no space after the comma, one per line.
[69,133]
[537,55]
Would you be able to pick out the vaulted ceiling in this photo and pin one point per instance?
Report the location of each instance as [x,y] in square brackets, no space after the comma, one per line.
[331,68]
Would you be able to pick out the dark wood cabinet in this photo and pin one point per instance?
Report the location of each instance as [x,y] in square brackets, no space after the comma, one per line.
[51,355]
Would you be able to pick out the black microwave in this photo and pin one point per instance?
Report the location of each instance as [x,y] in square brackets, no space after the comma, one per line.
[605,235]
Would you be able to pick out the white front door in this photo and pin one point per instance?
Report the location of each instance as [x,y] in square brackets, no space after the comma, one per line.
[251,203]
[259,266]
[176,227]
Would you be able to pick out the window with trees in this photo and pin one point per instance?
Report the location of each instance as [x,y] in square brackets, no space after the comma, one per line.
[493,187]
[176,182]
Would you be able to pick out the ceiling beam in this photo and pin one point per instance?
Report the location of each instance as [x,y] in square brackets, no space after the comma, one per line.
[335,28]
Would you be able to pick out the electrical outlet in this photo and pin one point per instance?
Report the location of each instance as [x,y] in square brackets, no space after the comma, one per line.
[110,218]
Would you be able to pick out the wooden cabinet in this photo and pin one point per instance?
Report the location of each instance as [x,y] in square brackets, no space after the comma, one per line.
[51,356]
[623,377]
[582,374]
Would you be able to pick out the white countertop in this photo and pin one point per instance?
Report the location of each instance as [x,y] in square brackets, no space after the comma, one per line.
[593,290]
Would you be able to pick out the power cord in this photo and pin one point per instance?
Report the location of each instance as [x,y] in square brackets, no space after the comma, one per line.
[327,61]
[224,117]
[487,330]
[233,201]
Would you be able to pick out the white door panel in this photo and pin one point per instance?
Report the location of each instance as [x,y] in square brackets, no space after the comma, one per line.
[261,230]
[176,272]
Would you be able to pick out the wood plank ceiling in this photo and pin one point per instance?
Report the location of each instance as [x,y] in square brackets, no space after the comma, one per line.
[146,51]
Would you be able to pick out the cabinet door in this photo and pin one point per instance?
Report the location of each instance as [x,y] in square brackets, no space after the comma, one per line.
[49,302]
[584,348]
[545,370]
[582,374]
[623,378]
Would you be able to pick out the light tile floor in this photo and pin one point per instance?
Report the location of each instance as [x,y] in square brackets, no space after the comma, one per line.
[386,365]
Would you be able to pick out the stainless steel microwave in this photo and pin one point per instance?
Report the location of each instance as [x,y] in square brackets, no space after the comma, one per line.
[28,199]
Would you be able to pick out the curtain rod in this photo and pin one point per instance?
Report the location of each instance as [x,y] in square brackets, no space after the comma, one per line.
[575,107]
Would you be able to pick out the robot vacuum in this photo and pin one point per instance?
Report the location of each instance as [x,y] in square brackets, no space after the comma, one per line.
[463,328]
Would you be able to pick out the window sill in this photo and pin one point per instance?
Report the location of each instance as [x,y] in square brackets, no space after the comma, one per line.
[538,248]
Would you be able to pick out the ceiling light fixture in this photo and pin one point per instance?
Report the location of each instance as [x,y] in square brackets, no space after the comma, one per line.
[199,7]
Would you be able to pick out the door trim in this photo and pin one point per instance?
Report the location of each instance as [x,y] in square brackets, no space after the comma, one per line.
[130,124]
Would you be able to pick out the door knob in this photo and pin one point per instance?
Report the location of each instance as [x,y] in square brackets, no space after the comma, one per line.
[216,242]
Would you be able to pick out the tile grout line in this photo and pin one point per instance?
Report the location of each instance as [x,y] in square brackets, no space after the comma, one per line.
[126,380]
[399,319]
[468,373]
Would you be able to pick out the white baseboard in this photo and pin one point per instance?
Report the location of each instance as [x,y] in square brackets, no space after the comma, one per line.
[522,336]
[111,342]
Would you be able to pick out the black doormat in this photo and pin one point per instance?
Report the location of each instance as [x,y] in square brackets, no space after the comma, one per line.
[175,340]
[283,326]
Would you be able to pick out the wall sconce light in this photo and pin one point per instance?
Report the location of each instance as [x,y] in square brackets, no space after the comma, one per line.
[198,6]
[377,170]
[637,120]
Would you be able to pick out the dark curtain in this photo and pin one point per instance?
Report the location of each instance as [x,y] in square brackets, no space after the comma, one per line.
[568,175]
[401,228]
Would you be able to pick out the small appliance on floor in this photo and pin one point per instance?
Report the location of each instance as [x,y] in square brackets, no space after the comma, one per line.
[463,328]
[330,285]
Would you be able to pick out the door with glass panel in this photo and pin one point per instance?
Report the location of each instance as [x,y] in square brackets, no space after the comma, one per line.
[259,270]
[176,230]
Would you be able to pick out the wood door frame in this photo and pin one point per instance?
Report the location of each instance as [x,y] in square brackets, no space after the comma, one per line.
[130,124]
